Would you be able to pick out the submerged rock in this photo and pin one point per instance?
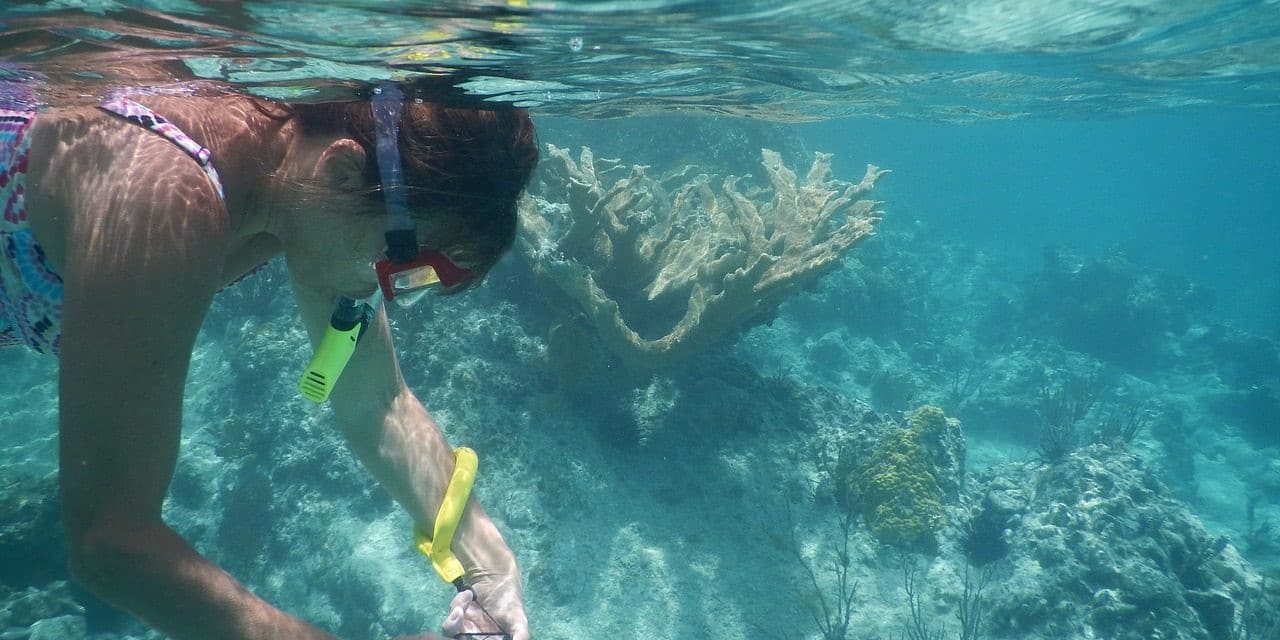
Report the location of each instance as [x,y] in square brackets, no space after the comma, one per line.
[1096,546]
[31,532]
[59,628]
[1112,309]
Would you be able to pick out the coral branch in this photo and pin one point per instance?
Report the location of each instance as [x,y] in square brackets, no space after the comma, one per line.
[663,266]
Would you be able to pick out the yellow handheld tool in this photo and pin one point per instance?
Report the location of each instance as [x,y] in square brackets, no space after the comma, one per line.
[437,546]
[346,327]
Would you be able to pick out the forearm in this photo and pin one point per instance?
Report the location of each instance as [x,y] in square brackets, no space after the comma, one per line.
[399,442]
[153,573]
[408,455]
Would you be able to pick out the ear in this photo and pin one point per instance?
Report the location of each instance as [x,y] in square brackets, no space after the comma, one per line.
[341,165]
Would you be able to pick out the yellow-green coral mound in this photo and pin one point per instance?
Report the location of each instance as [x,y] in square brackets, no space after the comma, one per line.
[895,489]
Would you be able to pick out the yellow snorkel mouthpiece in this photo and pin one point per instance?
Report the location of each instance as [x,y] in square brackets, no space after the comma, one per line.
[436,547]
[346,327]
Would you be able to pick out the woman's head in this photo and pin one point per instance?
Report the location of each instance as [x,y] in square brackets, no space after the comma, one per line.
[463,169]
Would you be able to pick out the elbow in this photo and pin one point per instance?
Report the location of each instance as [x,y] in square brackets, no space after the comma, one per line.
[103,558]
[87,551]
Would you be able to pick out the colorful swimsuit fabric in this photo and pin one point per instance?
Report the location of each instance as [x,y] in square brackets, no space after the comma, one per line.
[142,116]
[30,289]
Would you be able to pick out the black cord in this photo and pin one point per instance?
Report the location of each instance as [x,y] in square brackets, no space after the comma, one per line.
[501,633]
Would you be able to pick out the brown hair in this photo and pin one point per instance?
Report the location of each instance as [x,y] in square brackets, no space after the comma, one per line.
[472,163]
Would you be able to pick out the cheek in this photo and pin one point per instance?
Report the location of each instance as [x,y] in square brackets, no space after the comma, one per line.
[370,241]
[364,240]
[349,252]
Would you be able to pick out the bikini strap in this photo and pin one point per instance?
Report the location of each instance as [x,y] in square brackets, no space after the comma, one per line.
[143,116]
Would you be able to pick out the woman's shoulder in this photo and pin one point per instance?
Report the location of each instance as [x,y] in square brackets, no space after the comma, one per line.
[143,137]
[196,115]
[83,154]
[113,170]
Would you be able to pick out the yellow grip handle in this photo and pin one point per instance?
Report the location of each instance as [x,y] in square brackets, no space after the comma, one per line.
[436,547]
[326,365]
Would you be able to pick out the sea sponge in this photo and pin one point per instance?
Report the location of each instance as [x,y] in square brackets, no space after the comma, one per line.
[896,489]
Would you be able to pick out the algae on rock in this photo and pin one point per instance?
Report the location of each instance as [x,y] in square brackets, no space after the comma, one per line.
[900,488]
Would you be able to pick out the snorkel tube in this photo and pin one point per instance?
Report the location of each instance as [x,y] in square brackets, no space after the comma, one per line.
[402,237]
[341,337]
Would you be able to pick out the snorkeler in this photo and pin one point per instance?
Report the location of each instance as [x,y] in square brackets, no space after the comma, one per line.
[121,222]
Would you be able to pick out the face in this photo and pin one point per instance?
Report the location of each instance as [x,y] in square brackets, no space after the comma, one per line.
[339,244]
[332,251]
[346,254]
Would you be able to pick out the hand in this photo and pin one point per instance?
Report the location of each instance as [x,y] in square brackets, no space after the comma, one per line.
[500,604]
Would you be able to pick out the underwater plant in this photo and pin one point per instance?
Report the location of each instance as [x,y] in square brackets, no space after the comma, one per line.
[918,628]
[1122,427]
[1061,409]
[971,608]
[982,535]
[832,613]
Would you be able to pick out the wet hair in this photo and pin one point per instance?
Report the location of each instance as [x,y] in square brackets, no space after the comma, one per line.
[470,163]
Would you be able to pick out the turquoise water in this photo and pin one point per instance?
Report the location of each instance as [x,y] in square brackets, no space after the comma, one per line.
[1081,207]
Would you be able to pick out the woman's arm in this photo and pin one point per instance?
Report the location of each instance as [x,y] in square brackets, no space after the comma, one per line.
[143,261]
[402,446]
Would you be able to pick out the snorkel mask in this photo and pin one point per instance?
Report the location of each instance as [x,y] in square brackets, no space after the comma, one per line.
[405,274]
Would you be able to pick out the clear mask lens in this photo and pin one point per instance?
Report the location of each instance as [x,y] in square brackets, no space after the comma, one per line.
[417,278]
[411,285]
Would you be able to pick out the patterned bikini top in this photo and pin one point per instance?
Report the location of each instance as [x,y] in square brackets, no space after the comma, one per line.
[143,116]
[30,288]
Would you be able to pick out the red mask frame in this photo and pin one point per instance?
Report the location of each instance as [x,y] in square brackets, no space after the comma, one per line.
[447,273]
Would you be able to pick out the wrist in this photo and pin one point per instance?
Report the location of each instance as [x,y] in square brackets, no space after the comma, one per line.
[463,545]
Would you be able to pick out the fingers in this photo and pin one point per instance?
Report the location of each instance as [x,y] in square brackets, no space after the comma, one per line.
[455,622]
[464,597]
[466,615]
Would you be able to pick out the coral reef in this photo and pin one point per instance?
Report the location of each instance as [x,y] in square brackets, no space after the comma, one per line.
[662,266]
[729,143]
[900,488]
[1109,308]
[1097,547]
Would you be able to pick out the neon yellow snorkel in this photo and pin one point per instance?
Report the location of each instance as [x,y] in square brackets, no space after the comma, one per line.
[437,546]
[346,327]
